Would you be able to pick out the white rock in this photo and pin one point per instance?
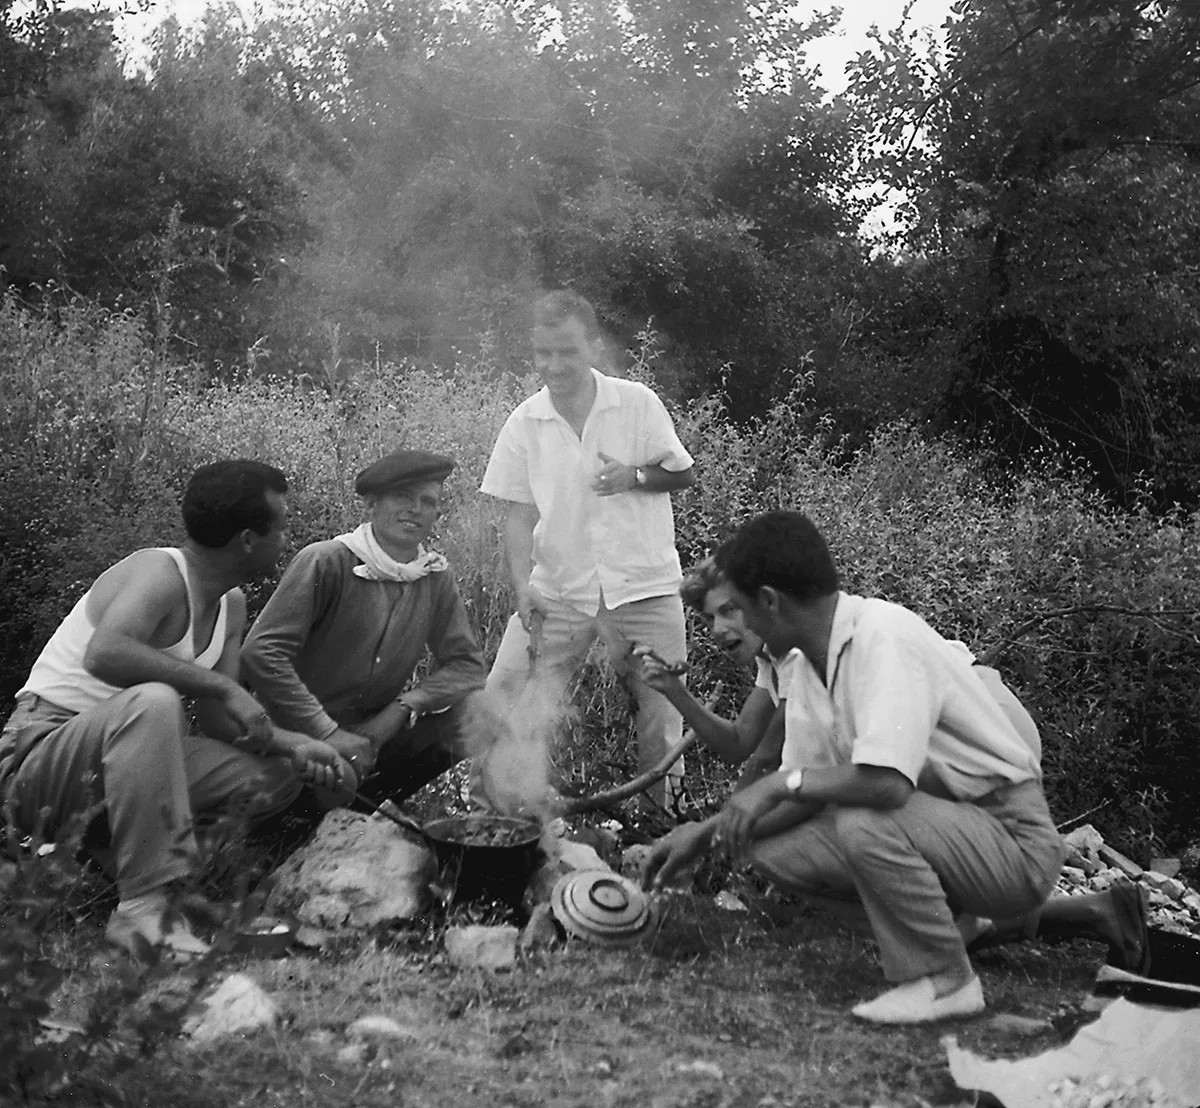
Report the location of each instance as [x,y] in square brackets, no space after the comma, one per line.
[491,948]
[701,1068]
[358,871]
[1084,840]
[577,855]
[376,1027]
[237,1007]
[353,1054]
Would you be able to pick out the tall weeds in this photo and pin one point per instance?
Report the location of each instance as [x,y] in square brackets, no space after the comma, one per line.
[98,434]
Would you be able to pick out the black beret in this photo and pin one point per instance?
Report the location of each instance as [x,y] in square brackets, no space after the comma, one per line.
[402,467]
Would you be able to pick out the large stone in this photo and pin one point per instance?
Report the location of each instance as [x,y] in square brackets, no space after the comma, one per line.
[1083,842]
[358,872]
[1111,857]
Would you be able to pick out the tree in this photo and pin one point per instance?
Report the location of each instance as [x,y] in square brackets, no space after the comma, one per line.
[1052,159]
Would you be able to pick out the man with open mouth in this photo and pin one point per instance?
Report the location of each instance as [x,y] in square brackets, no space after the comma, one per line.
[908,789]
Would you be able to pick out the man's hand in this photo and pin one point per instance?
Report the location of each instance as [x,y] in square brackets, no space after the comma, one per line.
[249,715]
[529,600]
[735,822]
[673,852]
[614,477]
[357,752]
[321,765]
[657,672]
[387,724]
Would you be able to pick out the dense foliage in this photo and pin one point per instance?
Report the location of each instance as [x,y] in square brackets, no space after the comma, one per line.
[315,236]
[1099,603]
[355,182]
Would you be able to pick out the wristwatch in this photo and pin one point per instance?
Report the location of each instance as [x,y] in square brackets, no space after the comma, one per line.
[793,781]
[639,476]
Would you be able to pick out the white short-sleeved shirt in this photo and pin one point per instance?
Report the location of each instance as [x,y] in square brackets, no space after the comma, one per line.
[583,544]
[772,674]
[897,694]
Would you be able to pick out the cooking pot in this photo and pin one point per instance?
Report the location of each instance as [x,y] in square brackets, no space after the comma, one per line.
[485,856]
[480,855]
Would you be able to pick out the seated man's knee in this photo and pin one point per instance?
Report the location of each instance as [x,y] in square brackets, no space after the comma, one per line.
[860,830]
[154,698]
[271,789]
[801,860]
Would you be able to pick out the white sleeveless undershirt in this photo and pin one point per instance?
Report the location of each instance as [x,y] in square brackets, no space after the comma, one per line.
[59,675]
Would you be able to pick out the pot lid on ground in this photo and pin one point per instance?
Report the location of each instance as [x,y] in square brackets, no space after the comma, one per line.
[601,906]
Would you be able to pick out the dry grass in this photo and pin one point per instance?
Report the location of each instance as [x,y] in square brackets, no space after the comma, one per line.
[763,996]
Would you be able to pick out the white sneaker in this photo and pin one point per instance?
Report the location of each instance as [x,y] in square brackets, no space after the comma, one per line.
[915,1002]
[141,920]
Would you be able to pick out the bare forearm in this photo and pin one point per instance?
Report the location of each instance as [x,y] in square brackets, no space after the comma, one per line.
[719,735]
[783,817]
[384,725]
[217,723]
[657,479]
[123,661]
[848,786]
[518,548]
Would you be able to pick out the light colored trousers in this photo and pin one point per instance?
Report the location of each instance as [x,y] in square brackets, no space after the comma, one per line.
[914,869]
[133,754]
[568,636]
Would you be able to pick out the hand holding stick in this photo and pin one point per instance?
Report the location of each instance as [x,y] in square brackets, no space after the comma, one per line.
[672,669]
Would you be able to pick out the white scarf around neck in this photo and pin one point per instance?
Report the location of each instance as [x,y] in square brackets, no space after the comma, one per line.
[377,565]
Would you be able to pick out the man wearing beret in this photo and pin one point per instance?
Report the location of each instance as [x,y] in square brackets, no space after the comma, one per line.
[587,466]
[334,650]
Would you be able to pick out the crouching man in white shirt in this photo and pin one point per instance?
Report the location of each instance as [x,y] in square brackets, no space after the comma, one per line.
[902,783]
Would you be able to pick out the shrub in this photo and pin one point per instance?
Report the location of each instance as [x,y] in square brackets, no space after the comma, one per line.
[1100,604]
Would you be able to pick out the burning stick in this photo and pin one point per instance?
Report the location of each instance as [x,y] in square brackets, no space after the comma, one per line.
[575,805]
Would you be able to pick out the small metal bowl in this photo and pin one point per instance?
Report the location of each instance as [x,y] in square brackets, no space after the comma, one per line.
[264,937]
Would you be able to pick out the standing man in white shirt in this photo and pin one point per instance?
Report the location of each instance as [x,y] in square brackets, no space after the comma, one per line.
[587,466]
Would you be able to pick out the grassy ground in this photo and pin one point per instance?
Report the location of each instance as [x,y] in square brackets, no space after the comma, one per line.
[717,1009]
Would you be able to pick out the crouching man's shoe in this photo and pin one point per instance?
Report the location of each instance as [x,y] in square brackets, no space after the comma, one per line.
[142,922]
[915,1002]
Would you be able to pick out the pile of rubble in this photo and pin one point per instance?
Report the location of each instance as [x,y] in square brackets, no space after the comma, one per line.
[1092,866]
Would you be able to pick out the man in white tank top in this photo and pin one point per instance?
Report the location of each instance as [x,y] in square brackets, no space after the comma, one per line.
[101,720]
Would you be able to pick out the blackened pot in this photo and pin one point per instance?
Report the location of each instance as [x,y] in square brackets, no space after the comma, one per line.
[486,856]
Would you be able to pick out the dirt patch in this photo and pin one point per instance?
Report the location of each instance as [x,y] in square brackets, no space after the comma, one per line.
[717,1009]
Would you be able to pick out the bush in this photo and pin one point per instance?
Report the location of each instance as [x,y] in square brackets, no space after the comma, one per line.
[1100,604]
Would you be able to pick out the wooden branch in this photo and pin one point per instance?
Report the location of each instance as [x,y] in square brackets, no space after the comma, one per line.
[575,805]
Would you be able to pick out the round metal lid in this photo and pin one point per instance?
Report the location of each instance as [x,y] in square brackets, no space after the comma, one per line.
[601,906]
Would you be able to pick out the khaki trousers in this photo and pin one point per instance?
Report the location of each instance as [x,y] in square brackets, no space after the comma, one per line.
[568,636]
[133,757]
[914,869]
